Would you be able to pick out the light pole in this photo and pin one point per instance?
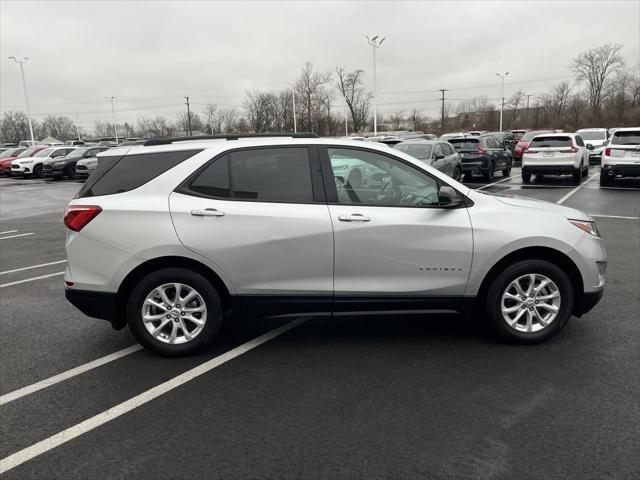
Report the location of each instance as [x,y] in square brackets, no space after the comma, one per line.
[26,97]
[293,102]
[375,43]
[502,77]
[113,112]
[78,128]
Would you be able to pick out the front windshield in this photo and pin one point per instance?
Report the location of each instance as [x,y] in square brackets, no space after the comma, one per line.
[78,152]
[529,135]
[593,135]
[419,151]
[44,153]
[630,137]
[11,152]
[28,152]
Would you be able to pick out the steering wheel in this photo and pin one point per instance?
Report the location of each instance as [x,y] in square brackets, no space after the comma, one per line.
[390,193]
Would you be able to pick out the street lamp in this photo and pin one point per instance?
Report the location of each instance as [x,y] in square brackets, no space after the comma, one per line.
[375,43]
[26,97]
[502,77]
[293,94]
[113,112]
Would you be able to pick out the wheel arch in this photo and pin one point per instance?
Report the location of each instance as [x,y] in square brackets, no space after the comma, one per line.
[538,253]
[158,263]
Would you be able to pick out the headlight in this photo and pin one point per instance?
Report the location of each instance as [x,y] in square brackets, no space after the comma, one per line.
[589,227]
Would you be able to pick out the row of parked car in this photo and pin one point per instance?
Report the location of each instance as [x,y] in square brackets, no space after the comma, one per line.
[541,152]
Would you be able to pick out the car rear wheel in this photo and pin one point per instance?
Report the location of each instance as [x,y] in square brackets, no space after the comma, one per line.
[37,171]
[457,174]
[529,302]
[490,172]
[174,312]
[605,179]
[577,175]
[507,171]
[69,172]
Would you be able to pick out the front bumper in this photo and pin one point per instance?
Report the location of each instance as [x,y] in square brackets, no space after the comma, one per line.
[587,302]
[102,305]
[474,166]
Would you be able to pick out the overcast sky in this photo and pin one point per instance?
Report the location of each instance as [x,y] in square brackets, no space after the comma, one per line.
[149,54]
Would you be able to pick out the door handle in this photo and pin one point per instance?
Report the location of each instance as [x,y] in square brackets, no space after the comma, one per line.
[207,212]
[355,217]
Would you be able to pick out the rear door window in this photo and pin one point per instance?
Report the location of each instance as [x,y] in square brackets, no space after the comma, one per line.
[118,174]
[263,174]
[551,142]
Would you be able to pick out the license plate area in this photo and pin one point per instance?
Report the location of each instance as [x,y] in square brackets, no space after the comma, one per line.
[547,154]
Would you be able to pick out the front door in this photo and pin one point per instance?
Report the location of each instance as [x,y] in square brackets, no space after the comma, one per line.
[393,239]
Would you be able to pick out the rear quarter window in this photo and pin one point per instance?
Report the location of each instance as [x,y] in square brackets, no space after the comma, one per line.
[118,174]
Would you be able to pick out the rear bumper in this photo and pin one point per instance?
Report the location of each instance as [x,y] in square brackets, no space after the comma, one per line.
[624,170]
[548,169]
[474,165]
[102,305]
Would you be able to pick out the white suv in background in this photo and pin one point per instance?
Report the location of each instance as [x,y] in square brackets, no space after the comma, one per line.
[556,154]
[173,237]
[33,165]
[621,156]
[597,138]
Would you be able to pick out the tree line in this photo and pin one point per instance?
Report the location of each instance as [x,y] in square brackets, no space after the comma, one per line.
[604,93]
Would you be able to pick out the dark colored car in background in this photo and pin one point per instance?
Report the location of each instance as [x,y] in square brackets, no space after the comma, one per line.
[5,161]
[506,139]
[518,134]
[483,156]
[66,166]
[438,154]
[524,142]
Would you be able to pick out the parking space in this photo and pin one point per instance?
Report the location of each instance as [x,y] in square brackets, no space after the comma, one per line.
[361,397]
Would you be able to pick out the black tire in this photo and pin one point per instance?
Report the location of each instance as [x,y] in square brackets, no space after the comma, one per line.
[69,172]
[37,171]
[586,170]
[493,311]
[526,177]
[170,275]
[457,174]
[577,175]
[605,180]
[507,171]
[489,174]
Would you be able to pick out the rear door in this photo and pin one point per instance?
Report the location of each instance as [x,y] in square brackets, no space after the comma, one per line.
[395,245]
[259,214]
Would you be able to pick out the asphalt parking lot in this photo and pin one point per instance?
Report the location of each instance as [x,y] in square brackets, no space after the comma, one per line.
[363,397]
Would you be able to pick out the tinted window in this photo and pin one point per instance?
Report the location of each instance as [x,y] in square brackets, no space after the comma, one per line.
[464,143]
[529,135]
[368,178]
[550,142]
[115,174]
[579,141]
[630,137]
[271,174]
[214,180]
[597,135]
[437,150]
[268,174]
[447,149]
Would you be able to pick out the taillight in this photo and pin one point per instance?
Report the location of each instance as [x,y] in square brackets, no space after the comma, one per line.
[76,217]
[481,149]
[607,152]
[574,148]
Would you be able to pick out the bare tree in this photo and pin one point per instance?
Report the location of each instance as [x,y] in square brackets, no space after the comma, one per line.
[416,120]
[309,89]
[396,119]
[61,128]
[210,114]
[154,127]
[356,97]
[182,122]
[514,103]
[594,67]
[228,118]
[14,127]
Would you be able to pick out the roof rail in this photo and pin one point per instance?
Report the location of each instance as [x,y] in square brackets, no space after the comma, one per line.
[170,140]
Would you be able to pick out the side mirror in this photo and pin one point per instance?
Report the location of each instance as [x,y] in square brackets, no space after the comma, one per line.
[448,197]
[590,147]
[439,156]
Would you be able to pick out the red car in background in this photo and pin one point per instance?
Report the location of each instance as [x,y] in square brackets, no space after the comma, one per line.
[524,142]
[19,152]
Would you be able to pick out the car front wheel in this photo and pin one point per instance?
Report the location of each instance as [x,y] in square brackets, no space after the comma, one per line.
[174,312]
[529,302]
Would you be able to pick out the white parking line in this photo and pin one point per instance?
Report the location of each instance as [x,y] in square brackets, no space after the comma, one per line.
[18,282]
[47,382]
[8,231]
[81,428]
[500,181]
[33,266]
[15,236]
[568,195]
[597,215]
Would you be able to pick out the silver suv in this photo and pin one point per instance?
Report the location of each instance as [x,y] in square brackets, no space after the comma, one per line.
[178,235]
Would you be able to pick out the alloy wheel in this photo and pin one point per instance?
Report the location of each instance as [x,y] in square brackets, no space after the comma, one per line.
[530,303]
[174,313]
